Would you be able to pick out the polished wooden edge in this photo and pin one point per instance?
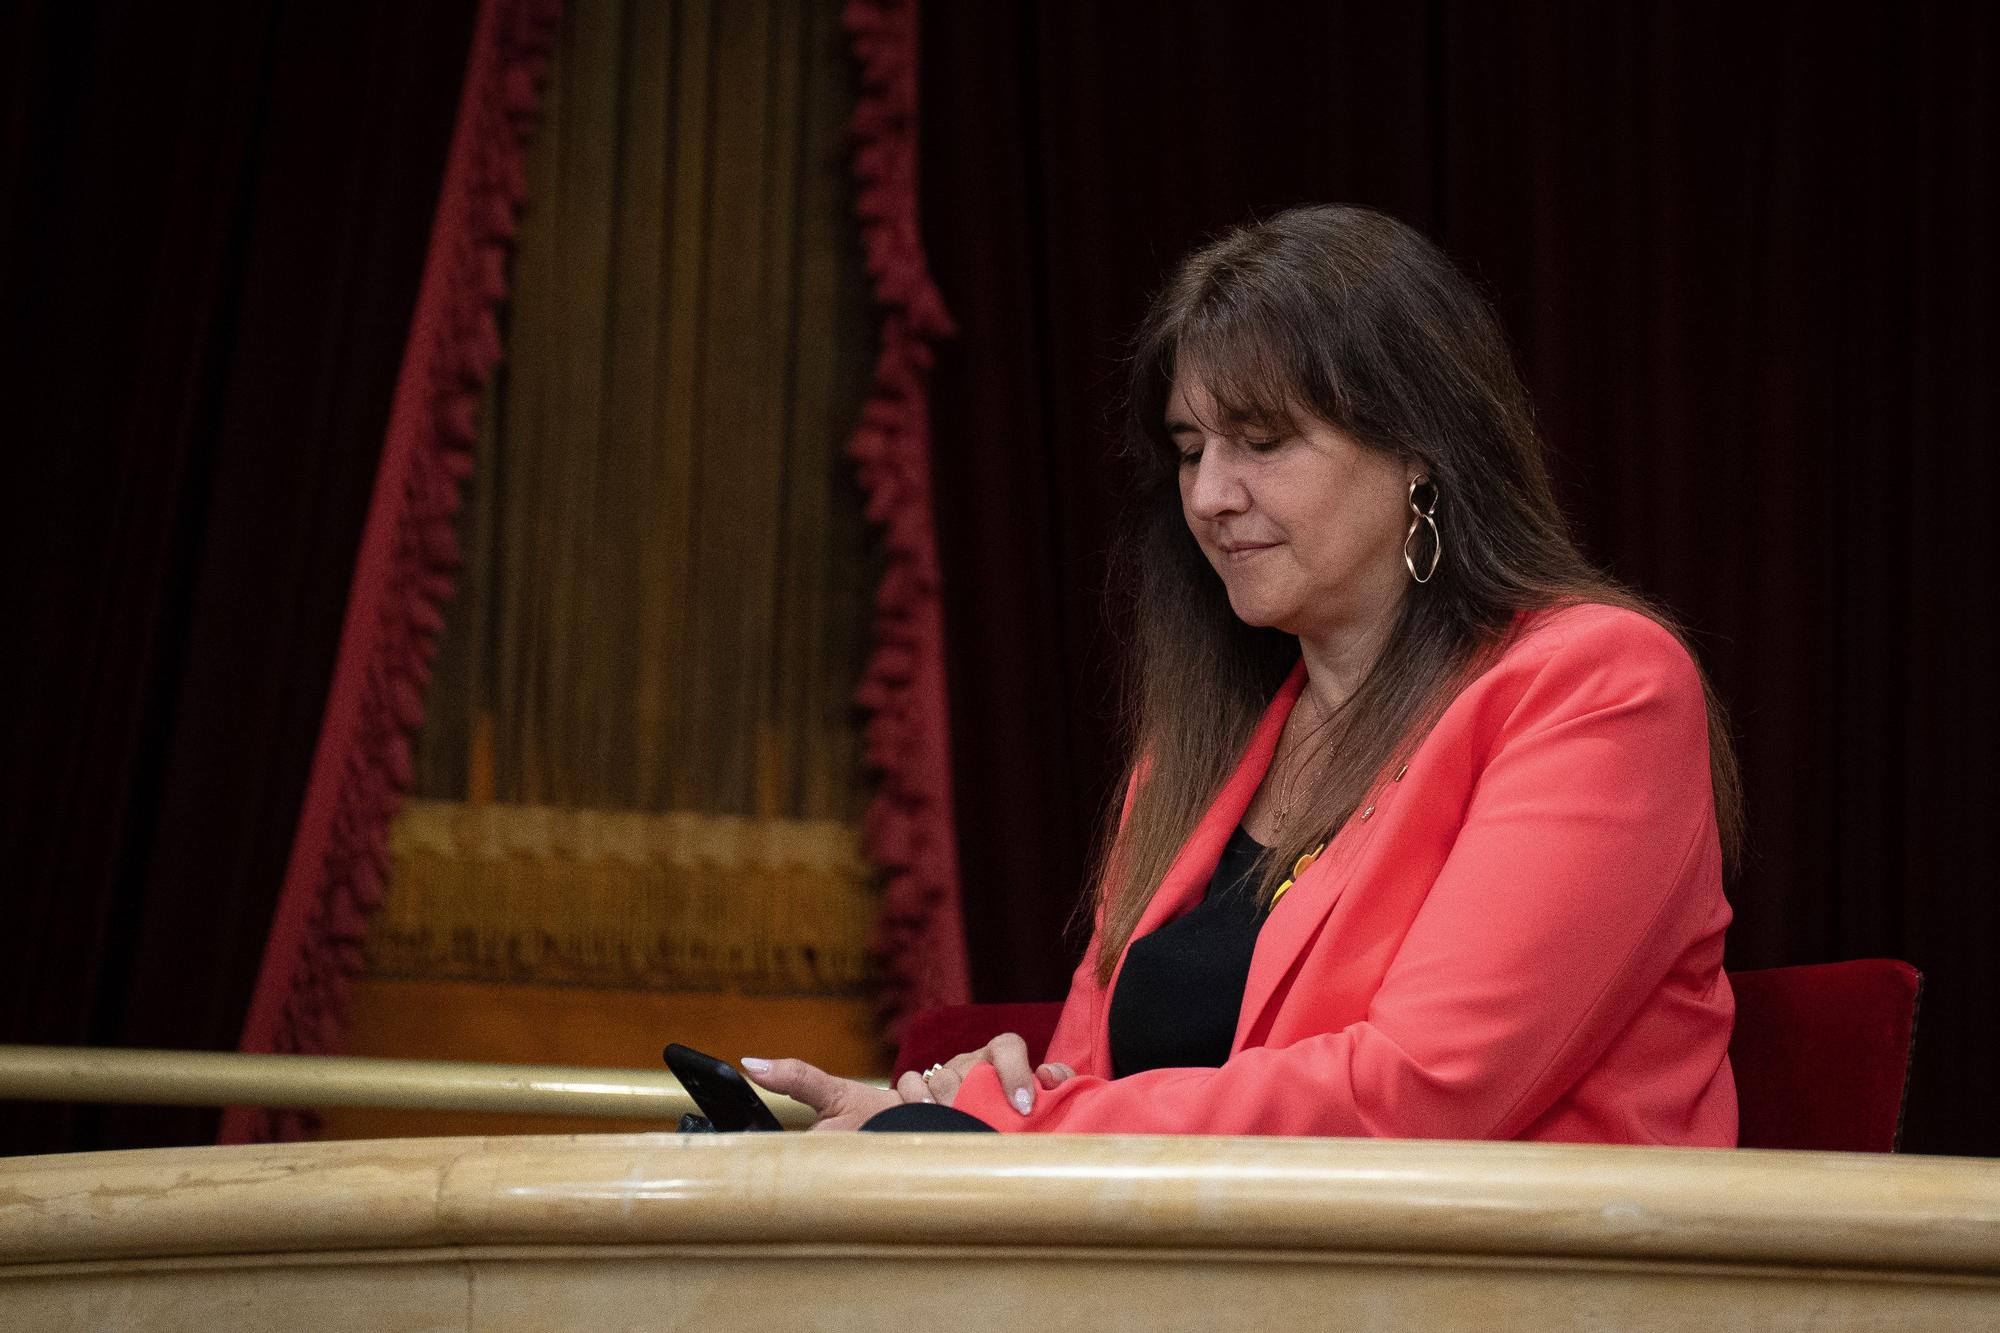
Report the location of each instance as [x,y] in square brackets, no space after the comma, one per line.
[1244,1196]
[793,1251]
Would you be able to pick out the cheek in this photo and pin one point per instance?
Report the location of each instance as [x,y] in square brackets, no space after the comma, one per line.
[1194,524]
[1354,535]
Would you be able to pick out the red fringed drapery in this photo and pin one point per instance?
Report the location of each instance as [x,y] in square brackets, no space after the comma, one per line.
[403,572]
[909,832]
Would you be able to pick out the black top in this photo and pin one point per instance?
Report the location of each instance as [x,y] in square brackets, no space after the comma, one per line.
[1181,989]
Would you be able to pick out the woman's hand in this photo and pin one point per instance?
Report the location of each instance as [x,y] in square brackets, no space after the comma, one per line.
[1008,1055]
[841,1102]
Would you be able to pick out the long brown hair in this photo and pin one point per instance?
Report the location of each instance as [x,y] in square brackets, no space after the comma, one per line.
[1352,316]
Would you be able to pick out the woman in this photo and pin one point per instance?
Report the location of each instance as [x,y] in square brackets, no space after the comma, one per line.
[1428,829]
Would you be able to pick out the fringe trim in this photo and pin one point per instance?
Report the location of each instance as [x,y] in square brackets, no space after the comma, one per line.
[621,899]
[405,569]
[908,831]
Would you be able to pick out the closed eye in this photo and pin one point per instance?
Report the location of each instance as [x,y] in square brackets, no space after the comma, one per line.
[1186,439]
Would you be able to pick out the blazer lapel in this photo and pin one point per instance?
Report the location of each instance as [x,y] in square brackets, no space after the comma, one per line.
[1188,877]
[1295,922]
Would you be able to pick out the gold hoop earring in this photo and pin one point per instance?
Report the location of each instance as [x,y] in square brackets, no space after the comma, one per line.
[1417,518]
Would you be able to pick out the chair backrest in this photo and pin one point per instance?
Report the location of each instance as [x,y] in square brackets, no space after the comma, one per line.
[935,1035]
[1821,1053]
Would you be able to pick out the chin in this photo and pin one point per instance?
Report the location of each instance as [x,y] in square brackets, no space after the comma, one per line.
[1260,615]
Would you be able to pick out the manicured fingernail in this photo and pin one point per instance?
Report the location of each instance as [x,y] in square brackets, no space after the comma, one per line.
[1022,1100]
[756,1066]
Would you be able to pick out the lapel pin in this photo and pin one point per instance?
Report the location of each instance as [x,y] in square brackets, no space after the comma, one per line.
[1299,867]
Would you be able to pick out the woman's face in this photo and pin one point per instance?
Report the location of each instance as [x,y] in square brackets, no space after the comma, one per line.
[1304,525]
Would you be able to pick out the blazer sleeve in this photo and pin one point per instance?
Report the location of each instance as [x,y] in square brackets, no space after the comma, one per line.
[1569,892]
[1074,1041]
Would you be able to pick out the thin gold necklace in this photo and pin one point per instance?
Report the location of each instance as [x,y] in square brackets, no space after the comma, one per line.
[1294,779]
[1297,776]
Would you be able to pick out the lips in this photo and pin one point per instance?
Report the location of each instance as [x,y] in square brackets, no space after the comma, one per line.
[1234,551]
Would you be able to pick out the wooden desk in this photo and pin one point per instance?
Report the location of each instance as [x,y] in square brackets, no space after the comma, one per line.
[975,1232]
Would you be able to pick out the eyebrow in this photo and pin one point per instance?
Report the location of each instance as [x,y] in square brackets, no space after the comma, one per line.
[1175,426]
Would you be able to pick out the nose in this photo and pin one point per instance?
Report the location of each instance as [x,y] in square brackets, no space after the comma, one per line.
[1216,488]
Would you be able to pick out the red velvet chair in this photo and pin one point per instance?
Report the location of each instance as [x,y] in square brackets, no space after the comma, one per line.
[1821,1053]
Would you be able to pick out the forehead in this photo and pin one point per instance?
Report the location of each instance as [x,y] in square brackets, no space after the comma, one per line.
[1203,395]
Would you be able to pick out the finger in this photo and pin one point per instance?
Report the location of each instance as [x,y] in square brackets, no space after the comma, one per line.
[1052,1075]
[951,1076]
[912,1088]
[795,1079]
[1010,1060]
[944,1085]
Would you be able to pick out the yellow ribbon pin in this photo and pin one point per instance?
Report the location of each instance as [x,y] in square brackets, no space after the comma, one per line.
[1299,867]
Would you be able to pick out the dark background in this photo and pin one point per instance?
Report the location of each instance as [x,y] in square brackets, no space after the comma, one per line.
[1745,253]
[214,220]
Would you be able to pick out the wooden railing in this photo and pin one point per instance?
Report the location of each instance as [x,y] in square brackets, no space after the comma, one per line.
[874,1231]
[206,1078]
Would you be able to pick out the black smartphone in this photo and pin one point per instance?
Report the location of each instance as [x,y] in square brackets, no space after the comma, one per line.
[723,1095]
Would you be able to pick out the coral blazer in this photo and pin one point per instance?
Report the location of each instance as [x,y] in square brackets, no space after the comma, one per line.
[1518,937]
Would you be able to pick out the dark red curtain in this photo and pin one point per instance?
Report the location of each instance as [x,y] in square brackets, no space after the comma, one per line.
[1746,255]
[407,564]
[214,219]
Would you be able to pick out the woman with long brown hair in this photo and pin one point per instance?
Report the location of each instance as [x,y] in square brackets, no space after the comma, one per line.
[1427,818]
